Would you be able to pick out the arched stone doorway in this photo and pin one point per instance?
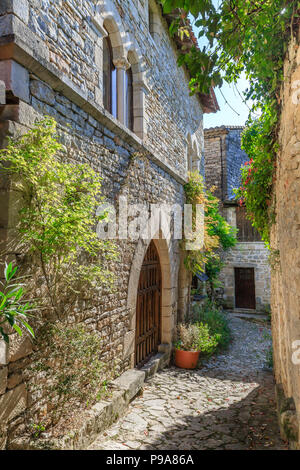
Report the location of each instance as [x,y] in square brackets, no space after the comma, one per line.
[148,307]
[168,301]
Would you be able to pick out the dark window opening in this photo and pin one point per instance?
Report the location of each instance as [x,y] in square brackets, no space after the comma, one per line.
[129,100]
[246,233]
[109,79]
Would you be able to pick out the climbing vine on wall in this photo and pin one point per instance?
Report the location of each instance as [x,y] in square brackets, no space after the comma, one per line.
[251,37]
[217,232]
[257,174]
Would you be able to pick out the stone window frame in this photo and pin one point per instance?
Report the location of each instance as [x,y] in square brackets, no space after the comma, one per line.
[125,55]
[193,155]
[109,82]
[154,21]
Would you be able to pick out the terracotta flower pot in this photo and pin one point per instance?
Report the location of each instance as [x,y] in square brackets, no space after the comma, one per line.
[186,359]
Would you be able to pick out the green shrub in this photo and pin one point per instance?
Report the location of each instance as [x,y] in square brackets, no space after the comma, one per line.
[187,337]
[196,337]
[208,314]
[208,343]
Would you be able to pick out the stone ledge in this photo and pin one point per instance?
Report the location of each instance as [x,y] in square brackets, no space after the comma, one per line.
[104,413]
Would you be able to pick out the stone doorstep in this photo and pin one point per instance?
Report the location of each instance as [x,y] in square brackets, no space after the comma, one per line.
[104,413]
[250,316]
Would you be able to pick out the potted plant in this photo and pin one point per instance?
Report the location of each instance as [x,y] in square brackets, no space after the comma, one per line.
[187,347]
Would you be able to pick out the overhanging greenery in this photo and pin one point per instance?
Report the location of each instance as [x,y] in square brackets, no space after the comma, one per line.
[249,36]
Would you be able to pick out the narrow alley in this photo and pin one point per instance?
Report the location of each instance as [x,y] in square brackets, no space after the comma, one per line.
[227,404]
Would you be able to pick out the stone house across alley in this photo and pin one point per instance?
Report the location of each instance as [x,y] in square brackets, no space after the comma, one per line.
[107,72]
[246,273]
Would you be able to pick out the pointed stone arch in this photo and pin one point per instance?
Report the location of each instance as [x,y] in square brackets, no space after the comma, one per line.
[168,291]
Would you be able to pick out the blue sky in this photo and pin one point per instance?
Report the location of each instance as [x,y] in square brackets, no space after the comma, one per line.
[228,116]
[236,112]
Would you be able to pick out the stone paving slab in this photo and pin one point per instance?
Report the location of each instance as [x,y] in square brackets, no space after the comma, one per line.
[227,404]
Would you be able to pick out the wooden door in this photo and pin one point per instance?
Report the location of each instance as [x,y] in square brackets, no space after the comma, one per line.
[245,288]
[148,308]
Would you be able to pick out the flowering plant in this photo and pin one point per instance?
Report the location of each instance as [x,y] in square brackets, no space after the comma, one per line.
[258,174]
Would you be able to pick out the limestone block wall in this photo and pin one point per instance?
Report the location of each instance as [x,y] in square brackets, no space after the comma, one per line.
[247,255]
[285,242]
[223,159]
[214,154]
[112,315]
[235,158]
[50,64]
[66,37]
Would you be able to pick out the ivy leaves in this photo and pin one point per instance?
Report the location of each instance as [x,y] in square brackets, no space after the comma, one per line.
[242,35]
[257,175]
[249,36]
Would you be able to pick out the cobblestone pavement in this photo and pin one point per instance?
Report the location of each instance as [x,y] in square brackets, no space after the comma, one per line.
[227,404]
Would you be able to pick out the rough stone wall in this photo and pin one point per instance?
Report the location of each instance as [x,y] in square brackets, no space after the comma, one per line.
[214,155]
[65,35]
[54,68]
[286,251]
[235,158]
[223,159]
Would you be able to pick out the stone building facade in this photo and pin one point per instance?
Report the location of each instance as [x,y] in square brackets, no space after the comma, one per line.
[51,63]
[285,253]
[246,273]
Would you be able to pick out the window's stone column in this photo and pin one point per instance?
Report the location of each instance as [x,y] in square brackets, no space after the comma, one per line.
[140,90]
[121,65]
[139,109]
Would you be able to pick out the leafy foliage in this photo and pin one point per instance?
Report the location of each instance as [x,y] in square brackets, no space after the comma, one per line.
[58,218]
[250,37]
[72,371]
[217,232]
[196,337]
[215,319]
[208,341]
[195,194]
[242,36]
[226,234]
[13,309]
[187,337]
[206,330]
[257,174]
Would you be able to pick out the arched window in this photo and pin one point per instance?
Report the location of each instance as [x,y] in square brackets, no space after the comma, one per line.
[109,79]
[129,99]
